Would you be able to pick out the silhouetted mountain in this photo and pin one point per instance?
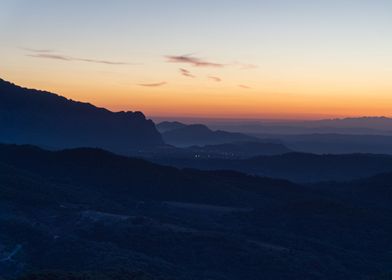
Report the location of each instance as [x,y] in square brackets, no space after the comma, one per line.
[382,123]
[324,142]
[239,150]
[167,126]
[198,134]
[90,214]
[299,167]
[30,116]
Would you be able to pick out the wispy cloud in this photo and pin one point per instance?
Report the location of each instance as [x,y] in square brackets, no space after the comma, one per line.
[38,50]
[215,79]
[199,62]
[186,73]
[244,86]
[102,61]
[50,54]
[194,61]
[153,84]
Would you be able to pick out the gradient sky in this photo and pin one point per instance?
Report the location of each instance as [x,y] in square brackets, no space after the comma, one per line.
[206,58]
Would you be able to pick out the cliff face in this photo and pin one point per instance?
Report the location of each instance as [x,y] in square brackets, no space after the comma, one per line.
[29,116]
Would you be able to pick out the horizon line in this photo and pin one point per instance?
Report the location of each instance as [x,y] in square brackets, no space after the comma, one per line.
[272,119]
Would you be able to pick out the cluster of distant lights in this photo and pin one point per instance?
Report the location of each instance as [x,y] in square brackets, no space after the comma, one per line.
[208,156]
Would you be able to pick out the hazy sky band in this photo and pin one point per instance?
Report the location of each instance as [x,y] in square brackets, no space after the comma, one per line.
[271,58]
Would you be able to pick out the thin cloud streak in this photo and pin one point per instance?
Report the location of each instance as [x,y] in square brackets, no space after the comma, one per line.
[186,73]
[38,50]
[48,54]
[199,62]
[215,79]
[101,61]
[153,84]
[244,87]
[194,61]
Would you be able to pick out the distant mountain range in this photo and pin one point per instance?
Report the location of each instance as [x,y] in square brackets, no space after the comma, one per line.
[182,135]
[29,116]
[197,140]
[355,126]
[336,143]
[314,136]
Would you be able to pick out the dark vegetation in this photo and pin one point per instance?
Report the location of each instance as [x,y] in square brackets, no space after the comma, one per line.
[66,213]
[298,167]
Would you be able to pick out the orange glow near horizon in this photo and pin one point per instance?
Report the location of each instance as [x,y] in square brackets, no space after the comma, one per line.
[256,59]
[216,102]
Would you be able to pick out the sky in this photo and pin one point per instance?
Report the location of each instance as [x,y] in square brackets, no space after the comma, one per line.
[285,59]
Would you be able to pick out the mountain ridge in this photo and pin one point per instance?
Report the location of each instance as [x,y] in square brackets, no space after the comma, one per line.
[182,135]
[138,178]
[29,116]
[295,166]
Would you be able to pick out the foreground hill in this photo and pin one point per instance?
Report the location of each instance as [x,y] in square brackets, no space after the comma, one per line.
[106,173]
[89,214]
[29,116]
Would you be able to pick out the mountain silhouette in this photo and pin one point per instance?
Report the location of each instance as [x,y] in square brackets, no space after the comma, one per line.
[338,143]
[168,126]
[350,126]
[29,116]
[181,135]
